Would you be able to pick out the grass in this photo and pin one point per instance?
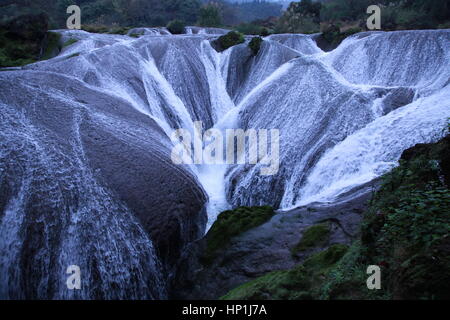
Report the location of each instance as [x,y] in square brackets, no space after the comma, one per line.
[230,39]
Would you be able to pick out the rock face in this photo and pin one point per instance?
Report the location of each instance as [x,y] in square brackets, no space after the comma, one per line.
[266,248]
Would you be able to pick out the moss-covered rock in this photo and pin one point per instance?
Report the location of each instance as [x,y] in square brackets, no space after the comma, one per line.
[229,40]
[313,237]
[232,223]
[255,45]
[296,284]
[176,27]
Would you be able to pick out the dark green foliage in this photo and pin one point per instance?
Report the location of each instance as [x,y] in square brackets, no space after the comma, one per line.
[405,231]
[176,27]
[21,40]
[305,16]
[232,38]
[255,45]
[210,16]
[300,17]
[333,35]
[298,283]
[264,32]
[314,236]
[232,223]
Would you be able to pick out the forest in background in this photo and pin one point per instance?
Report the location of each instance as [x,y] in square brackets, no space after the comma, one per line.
[249,17]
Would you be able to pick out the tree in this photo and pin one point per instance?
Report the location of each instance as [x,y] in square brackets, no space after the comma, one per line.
[210,16]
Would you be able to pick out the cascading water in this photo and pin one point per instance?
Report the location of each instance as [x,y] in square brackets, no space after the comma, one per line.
[85,164]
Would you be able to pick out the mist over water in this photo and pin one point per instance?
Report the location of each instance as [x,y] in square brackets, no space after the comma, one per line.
[344,118]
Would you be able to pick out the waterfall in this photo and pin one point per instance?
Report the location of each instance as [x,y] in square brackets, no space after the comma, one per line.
[85,167]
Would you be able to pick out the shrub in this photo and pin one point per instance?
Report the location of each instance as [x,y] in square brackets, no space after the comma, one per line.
[210,16]
[264,32]
[176,27]
[232,38]
[255,45]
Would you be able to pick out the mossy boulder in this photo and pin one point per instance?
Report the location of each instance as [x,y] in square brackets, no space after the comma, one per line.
[255,45]
[232,223]
[229,40]
[295,284]
[176,27]
[312,237]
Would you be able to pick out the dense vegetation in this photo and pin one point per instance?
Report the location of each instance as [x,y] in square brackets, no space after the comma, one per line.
[310,16]
[145,12]
[22,40]
[228,40]
[406,231]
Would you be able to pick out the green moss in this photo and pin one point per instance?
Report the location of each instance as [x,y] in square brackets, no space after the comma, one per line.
[135,35]
[232,223]
[313,237]
[296,284]
[255,45]
[229,40]
[69,42]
